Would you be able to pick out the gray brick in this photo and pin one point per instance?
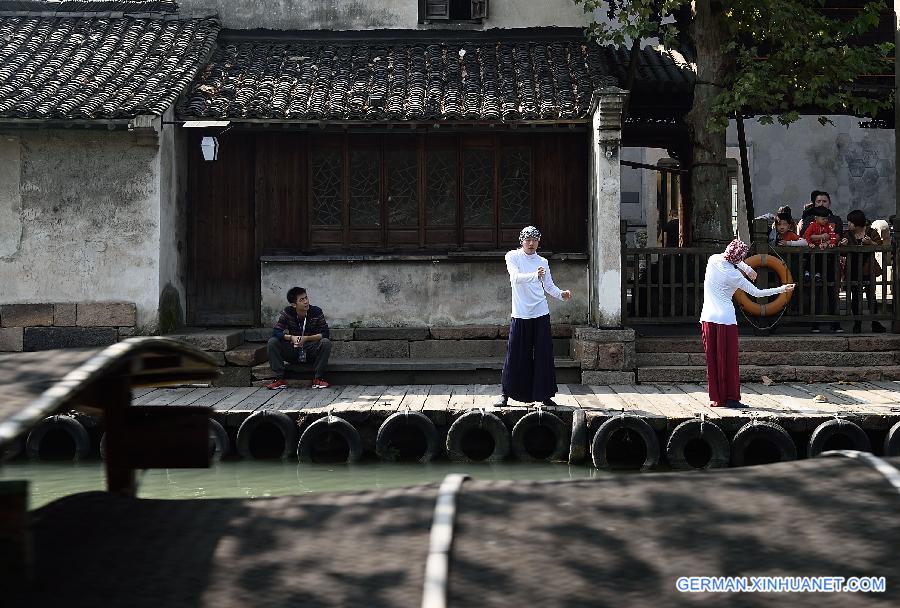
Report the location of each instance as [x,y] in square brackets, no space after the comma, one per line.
[64,314]
[12,339]
[390,333]
[457,348]
[364,349]
[263,372]
[561,330]
[26,315]
[606,377]
[257,334]
[341,333]
[126,332]
[218,357]
[585,352]
[836,374]
[874,343]
[212,339]
[465,332]
[233,376]
[47,338]
[106,314]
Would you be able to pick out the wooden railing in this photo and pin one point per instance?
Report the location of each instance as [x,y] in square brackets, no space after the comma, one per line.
[665,285]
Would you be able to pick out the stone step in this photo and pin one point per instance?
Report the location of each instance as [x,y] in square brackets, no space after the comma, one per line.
[677,374]
[413,334]
[808,342]
[247,354]
[428,349]
[429,370]
[219,340]
[762,358]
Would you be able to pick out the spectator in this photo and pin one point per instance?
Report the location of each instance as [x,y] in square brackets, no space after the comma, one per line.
[773,229]
[301,335]
[670,232]
[784,235]
[862,268]
[821,234]
[820,198]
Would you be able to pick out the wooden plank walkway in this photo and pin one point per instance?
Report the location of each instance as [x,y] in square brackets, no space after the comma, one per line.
[797,407]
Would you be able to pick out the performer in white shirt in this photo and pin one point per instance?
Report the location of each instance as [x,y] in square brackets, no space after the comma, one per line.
[719,324]
[528,371]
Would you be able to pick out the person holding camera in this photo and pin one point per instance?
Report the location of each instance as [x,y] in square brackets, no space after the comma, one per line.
[301,335]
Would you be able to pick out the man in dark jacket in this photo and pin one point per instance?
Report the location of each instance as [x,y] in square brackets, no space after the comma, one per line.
[300,336]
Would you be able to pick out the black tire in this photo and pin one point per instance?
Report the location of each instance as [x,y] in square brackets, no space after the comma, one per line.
[630,423]
[892,441]
[61,422]
[219,444]
[321,428]
[471,421]
[704,430]
[832,428]
[539,419]
[760,429]
[279,420]
[397,421]
[578,441]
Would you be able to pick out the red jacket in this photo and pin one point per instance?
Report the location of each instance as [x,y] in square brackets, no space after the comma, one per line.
[815,229]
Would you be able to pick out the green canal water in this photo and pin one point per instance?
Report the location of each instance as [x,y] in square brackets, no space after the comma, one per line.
[252,479]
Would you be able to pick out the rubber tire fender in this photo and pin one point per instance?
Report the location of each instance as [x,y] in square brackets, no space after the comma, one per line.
[836,426]
[320,428]
[64,422]
[578,442]
[477,419]
[892,441]
[698,429]
[774,307]
[631,423]
[756,429]
[218,438]
[280,420]
[538,419]
[398,420]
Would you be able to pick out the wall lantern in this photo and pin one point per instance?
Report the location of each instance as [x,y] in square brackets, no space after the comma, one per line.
[210,148]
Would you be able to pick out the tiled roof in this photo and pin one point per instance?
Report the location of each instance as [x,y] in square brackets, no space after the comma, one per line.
[479,78]
[96,6]
[90,65]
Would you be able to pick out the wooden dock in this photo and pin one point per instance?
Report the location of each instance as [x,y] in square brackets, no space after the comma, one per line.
[796,407]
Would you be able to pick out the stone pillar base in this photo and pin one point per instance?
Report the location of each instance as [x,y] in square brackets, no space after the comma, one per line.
[607,356]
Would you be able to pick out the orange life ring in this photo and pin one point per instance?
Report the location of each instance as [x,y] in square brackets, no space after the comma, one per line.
[766,308]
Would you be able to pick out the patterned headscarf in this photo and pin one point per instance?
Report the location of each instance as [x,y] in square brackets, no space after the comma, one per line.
[529,232]
[736,251]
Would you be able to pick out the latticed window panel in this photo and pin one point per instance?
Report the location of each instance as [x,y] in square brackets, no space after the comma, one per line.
[440,187]
[325,186]
[515,185]
[478,187]
[402,188]
[365,188]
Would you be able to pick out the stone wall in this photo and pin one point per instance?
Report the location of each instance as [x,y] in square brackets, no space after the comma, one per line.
[80,218]
[413,291]
[33,327]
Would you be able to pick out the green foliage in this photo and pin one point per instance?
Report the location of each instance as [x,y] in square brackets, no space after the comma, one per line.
[789,55]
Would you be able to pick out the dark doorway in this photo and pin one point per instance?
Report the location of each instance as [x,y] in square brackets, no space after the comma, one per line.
[223,276]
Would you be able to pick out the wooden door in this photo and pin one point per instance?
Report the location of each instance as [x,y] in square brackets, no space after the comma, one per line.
[223,275]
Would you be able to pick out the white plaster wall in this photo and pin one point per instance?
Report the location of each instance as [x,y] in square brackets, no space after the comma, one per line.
[173,221]
[415,293]
[80,217]
[380,14]
[856,166]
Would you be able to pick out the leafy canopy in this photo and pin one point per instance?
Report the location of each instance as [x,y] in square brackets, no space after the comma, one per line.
[788,56]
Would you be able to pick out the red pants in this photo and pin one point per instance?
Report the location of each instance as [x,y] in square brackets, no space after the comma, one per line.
[720,342]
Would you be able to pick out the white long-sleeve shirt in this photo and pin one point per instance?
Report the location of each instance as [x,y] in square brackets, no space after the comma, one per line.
[722,279]
[528,299]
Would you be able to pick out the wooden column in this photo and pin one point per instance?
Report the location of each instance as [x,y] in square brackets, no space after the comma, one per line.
[114,399]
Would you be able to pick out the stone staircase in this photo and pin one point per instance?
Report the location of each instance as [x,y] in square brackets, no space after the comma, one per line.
[795,358]
[375,356]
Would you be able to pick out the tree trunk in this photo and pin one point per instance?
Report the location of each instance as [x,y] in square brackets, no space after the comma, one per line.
[709,174]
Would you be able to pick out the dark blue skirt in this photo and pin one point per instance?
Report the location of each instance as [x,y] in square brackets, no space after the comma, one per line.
[528,371]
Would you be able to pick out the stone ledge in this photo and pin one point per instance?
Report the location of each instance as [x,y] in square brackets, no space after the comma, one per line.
[593,334]
[211,339]
[12,339]
[465,332]
[247,355]
[64,314]
[390,333]
[593,378]
[371,348]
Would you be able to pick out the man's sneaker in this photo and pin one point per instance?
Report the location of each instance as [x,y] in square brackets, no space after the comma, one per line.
[836,328]
[815,329]
[857,327]
[320,383]
[878,328]
[501,401]
[276,384]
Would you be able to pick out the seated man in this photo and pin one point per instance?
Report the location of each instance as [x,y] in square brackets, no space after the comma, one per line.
[300,336]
